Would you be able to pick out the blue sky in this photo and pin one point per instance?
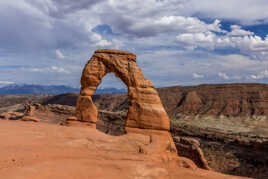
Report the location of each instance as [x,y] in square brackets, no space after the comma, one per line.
[177,42]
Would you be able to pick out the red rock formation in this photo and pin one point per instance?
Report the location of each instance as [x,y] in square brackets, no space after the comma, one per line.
[28,109]
[192,102]
[18,116]
[11,115]
[190,148]
[219,99]
[145,107]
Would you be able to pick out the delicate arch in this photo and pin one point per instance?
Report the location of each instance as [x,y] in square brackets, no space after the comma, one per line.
[145,108]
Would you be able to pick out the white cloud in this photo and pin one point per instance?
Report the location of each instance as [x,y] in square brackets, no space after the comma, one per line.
[196,75]
[103,43]
[59,54]
[59,70]
[95,37]
[49,70]
[237,31]
[194,40]
[183,24]
[223,75]
[98,40]
[237,38]
[261,75]
[3,83]
[253,11]
[157,33]
[180,24]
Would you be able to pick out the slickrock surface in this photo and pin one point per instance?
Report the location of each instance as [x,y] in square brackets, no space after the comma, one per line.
[227,143]
[41,151]
[145,109]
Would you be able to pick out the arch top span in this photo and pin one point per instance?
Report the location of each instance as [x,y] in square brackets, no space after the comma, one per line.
[113,51]
[108,53]
[145,108]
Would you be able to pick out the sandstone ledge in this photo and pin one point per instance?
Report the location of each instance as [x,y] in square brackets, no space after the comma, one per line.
[39,150]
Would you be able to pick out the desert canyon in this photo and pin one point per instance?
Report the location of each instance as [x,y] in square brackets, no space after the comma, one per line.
[145,139]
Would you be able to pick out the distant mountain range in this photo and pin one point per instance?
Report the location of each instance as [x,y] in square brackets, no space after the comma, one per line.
[110,91]
[51,89]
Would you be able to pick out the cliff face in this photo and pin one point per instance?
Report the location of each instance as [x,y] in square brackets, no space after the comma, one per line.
[229,120]
[230,100]
[220,99]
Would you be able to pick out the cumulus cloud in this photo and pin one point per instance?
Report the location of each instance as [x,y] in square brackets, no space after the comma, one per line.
[165,24]
[34,26]
[237,31]
[158,33]
[194,40]
[237,38]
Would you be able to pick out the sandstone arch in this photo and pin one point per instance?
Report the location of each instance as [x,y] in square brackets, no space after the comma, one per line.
[145,108]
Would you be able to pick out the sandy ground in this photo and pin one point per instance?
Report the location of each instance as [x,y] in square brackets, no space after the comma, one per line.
[41,151]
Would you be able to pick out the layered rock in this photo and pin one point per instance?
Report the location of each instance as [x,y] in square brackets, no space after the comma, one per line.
[145,108]
[230,100]
[219,99]
[192,103]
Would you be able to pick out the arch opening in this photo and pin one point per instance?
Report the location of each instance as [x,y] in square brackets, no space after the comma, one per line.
[111,101]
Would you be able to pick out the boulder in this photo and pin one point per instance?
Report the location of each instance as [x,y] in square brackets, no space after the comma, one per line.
[190,148]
